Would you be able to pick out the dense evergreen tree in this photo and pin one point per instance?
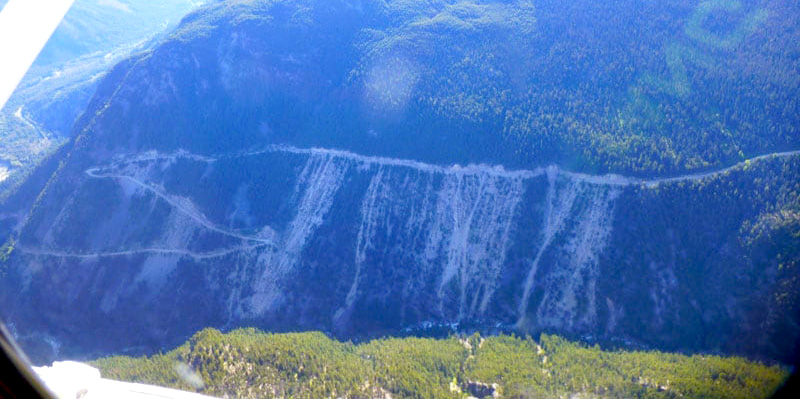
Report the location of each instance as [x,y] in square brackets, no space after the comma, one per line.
[247,363]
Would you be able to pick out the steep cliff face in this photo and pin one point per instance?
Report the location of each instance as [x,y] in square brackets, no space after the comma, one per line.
[146,248]
[262,168]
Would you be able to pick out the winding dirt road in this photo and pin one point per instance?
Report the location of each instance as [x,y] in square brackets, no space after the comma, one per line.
[186,207]
[163,251]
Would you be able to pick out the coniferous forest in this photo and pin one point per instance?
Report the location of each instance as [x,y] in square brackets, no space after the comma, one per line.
[247,363]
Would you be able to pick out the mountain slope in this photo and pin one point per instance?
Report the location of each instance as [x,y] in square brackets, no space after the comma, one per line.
[92,38]
[297,165]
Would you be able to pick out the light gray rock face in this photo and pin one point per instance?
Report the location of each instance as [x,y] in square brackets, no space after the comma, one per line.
[327,239]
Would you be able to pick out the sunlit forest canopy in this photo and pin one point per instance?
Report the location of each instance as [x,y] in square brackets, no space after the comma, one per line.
[248,363]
